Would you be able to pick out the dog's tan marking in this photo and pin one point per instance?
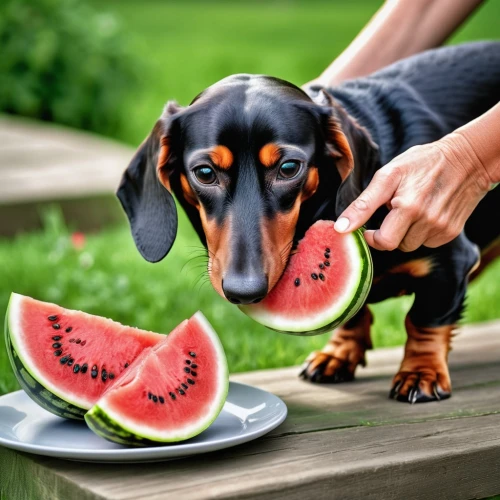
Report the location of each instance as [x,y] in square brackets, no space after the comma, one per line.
[340,149]
[311,184]
[269,155]
[188,192]
[417,268]
[345,350]
[277,239]
[163,158]
[218,244]
[426,359]
[222,157]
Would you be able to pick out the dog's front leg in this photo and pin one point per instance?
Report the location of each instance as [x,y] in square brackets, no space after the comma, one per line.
[337,361]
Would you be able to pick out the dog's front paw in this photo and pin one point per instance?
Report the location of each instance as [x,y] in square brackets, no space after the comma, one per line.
[422,386]
[333,364]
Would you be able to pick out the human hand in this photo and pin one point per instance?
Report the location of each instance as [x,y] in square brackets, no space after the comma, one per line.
[431,191]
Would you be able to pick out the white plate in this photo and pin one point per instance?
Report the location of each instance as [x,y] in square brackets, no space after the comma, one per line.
[247,414]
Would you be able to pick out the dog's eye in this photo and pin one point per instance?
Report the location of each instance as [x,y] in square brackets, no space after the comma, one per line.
[205,175]
[289,169]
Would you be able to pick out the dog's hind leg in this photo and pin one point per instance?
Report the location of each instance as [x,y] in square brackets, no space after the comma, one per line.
[337,361]
[439,298]
[423,375]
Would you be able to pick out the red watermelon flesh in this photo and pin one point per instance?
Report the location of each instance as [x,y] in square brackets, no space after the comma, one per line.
[73,355]
[173,391]
[325,283]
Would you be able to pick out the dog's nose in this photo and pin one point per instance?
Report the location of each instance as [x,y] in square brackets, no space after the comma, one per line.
[240,289]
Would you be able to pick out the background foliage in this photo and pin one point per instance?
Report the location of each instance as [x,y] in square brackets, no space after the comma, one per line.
[62,61]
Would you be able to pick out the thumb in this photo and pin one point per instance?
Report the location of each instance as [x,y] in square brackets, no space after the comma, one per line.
[380,190]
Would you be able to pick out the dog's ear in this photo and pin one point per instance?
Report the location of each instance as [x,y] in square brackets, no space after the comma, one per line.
[144,191]
[350,146]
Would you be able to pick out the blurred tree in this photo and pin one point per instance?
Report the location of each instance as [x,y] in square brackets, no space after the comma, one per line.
[61,61]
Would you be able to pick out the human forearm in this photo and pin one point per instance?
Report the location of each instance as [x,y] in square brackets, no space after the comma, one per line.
[399,29]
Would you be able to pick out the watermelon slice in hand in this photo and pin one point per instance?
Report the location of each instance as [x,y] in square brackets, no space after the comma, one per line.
[325,282]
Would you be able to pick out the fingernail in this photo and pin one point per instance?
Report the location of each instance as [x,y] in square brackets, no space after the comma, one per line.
[342,224]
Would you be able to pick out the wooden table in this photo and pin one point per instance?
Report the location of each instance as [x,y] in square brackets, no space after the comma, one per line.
[339,441]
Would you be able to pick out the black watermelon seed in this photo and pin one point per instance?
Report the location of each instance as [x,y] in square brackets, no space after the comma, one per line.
[155,399]
[56,326]
[83,343]
[69,329]
[327,263]
[172,395]
[297,281]
[52,318]
[84,368]
[190,381]
[93,373]
[194,365]
[321,277]
[327,249]
[186,369]
[58,352]
[192,354]
[150,396]
[321,266]
[56,345]
[70,361]
[181,392]
[194,374]
[111,376]
[161,399]
[57,337]
[126,365]
[64,360]
[327,255]
[184,386]
[76,368]
[188,361]
[314,276]
[78,341]
[104,376]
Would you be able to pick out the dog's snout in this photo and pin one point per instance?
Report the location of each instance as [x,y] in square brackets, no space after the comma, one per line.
[240,289]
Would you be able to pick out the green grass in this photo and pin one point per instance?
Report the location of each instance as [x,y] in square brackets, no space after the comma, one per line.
[109,278]
[186,46]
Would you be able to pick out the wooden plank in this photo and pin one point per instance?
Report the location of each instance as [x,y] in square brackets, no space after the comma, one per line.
[455,458]
[346,441]
[43,161]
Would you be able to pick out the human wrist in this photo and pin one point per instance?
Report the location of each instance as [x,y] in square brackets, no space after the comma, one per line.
[483,137]
[464,157]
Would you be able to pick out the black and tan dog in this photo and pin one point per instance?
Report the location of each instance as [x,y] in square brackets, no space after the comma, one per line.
[255,160]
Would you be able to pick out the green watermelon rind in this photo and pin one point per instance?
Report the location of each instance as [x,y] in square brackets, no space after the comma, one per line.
[106,423]
[350,307]
[33,386]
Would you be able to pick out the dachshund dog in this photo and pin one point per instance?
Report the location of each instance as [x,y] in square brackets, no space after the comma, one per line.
[255,161]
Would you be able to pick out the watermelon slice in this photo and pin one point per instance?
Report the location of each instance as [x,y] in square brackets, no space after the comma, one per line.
[66,359]
[174,390]
[325,283]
